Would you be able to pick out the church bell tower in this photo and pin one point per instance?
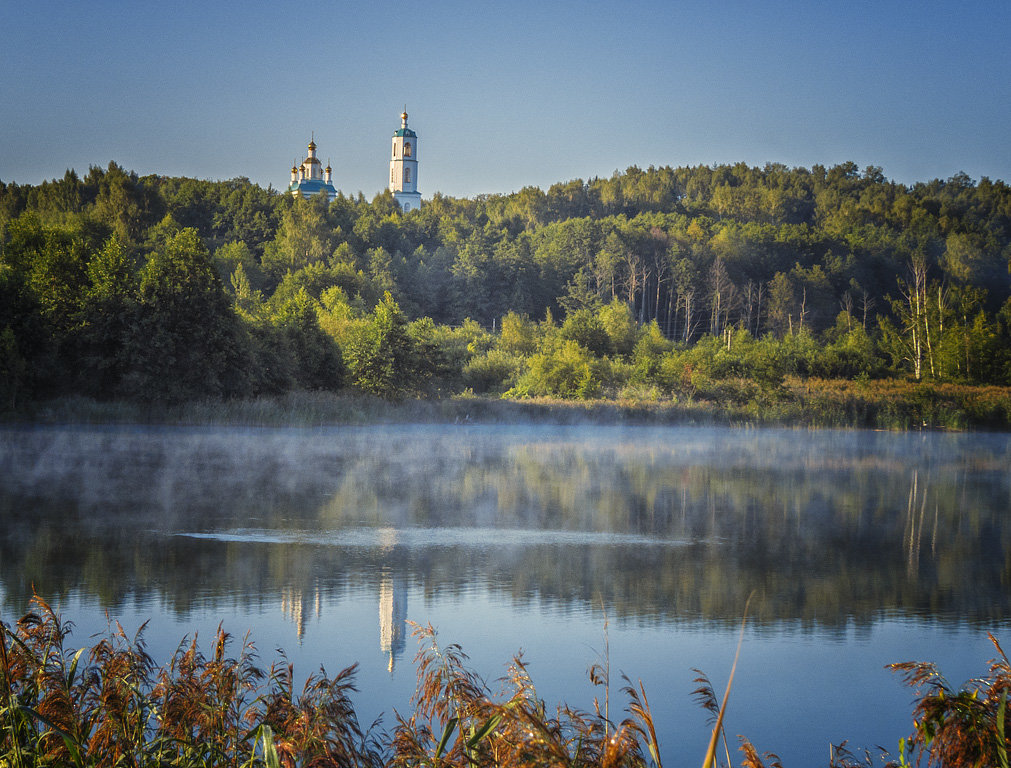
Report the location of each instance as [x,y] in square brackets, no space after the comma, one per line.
[404,167]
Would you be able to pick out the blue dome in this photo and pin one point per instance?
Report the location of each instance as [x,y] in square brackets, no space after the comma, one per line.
[310,187]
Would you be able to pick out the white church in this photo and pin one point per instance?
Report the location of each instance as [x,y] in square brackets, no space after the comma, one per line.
[311,178]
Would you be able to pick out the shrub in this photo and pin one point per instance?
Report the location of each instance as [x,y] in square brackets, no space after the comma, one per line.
[495,371]
[564,369]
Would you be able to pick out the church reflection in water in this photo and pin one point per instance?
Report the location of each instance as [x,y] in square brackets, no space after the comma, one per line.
[297,605]
[392,616]
[392,604]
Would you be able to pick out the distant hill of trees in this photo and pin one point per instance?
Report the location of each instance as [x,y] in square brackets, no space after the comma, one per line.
[666,281]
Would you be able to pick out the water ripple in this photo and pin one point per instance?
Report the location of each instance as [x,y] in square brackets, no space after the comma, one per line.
[424,538]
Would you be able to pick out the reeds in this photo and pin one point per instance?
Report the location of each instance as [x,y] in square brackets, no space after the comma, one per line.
[883,404]
[113,706]
[459,722]
[116,707]
[964,727]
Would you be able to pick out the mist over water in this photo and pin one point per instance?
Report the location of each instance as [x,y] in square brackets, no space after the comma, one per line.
[862,548]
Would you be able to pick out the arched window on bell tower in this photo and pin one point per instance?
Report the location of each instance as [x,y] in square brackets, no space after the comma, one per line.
[407,175]
[407,149]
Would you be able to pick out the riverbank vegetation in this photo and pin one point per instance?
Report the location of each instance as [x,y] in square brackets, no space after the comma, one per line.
[112,705]
[893,404]
[828,296]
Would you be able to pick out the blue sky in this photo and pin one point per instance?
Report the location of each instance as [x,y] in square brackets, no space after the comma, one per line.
[503,95]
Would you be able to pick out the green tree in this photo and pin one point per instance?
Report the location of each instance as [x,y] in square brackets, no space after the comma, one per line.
[782,309]
[563,369]
[649,349]
[619,325]
[124,204]
[518,335]
[303,237]
[230,257]
[586,329]
[381,269]
[580,294]
[13,369]
[185,341]
[108,314]
[25,345]
[318,362]
[246,299]
[378,352]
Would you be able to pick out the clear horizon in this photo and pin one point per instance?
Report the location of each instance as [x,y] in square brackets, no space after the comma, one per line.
[504,97]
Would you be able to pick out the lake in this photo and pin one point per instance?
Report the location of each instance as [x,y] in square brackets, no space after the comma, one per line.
[859,548]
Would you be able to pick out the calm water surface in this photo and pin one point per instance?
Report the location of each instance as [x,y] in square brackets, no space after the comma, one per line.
[861,548]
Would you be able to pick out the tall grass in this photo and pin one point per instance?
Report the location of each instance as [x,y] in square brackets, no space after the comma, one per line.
[112,706]
[884,404]
[958,727]
[115,707]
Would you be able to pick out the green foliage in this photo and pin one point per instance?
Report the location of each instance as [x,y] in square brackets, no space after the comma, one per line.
[223,211]
[318,277]
[26,339]
[617,321]
[438,354]
[564,368]
[378,352]
[13,369]
[495,371]
[649,350]
[853,354]
[586,329]
[304,237]
[681,254]
[316,358]
[234,256]
[123,203]
[518,335]
[183,342]
[580,294]
[106,320]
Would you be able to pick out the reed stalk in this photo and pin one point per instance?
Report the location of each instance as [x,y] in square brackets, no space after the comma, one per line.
[710,757]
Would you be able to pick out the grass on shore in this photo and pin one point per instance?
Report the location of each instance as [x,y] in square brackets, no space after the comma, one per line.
[875,404]
[113,706]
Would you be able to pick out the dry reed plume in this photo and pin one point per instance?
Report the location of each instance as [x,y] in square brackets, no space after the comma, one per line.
[114,707]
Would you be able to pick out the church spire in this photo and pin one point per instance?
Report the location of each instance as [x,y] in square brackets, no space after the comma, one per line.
[404,166]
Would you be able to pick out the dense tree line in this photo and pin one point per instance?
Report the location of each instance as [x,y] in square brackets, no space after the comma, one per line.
[668,280]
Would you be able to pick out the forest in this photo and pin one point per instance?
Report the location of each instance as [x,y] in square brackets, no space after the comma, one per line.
[723,284]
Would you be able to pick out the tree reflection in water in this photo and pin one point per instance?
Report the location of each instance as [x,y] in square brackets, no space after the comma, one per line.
[662,524]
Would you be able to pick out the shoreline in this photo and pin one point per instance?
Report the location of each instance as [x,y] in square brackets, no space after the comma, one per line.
[891,405]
